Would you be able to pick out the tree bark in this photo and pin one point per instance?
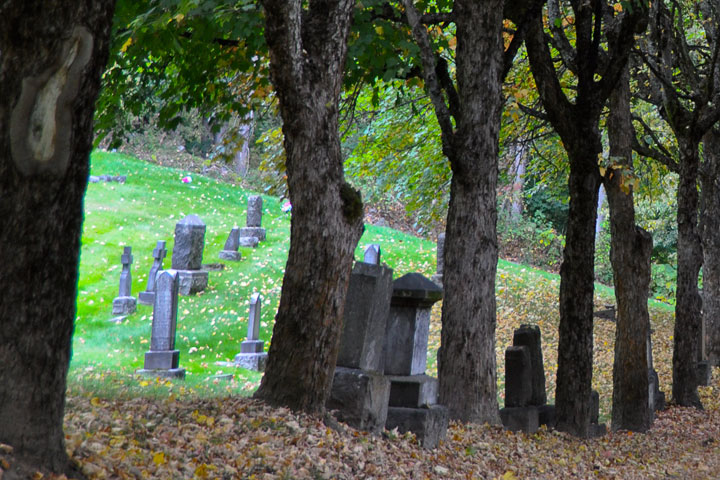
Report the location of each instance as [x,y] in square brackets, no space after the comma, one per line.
[307,55]
[710,234]
[52,55]
[689,260]
[630,251]
[466,360]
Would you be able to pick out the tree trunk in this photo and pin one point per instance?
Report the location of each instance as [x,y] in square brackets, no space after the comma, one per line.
[575,343]
[51,57]
[307,54]
[710,233]
[630,251]
[688,304]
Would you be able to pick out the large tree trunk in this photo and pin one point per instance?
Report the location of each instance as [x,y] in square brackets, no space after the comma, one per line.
[688,304]
[710,234]
[575,343]
[51,57]
[466,360]
[630,251]
[307,54]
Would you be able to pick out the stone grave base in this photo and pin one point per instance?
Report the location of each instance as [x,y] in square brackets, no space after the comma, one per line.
[597,430]
[252,346]
[546,416]
[520,419]
[124,305]
[178,373]
[360,398]
[257,232]
[161,359]
[146,298]
[192,281]
[231,255]
[249,242]
[251,361]
[428,424]
[413,391]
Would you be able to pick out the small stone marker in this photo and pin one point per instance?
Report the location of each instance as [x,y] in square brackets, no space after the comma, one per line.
[230,250]
[125,303]
[148,296]
[187,255]
[438,277]
[254,223]
[251,354]
[162,359]
[372,254]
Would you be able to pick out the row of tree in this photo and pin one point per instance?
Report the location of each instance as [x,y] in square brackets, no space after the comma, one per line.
[207,54]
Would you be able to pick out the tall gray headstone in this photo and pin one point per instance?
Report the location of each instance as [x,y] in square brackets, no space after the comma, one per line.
[148,296]
[408,324]
[253,233]
[230,250]
[189,244]
[162,359]
[372,254]
[530,337]
[254,211]
[125,303]
[188,253]
[251,354]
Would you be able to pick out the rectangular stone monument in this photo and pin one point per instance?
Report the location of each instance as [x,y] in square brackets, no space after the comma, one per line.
[254,222]
[408,324]
[187,255]
[251,354]
[367,304]
[163,359]
[411,390]
[125,303]
[360,398]
[230,250]
[529,336]
[148,296]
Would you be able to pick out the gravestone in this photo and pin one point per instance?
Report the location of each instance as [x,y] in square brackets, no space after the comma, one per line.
[525,398]
[163,359]
[187,255]
[704,367]
[230,250]
[148,296]
[360,392]
[125,303]
[251,354]
[372,254]
[438,277]
[253,228]
[412,393]
[656,397]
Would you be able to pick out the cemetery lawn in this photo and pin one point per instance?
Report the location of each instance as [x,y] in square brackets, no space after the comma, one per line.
[120,425]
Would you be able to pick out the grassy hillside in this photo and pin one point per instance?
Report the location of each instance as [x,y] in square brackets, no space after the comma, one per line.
[211,325]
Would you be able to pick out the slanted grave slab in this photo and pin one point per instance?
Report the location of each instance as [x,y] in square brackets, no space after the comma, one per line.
[230,250]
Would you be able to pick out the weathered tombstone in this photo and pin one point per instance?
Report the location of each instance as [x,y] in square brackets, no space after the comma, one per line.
[529,336]
[251,354]
[360,392]
[412,393]
[656,397]
[254,222]
[438,277]
[125,303]
[230,250]
[518,378]
[187,255]
[372,254]
[148,296]
[704,368]
[163,359]
[408,324]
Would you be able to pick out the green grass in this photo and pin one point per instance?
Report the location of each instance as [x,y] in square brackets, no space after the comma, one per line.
[212,324]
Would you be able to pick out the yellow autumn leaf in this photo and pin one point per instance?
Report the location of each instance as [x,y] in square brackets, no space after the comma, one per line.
[144,383]
[379,30]
[95,402]
[159,458]
[125,45]
[201,471]
[509,475]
